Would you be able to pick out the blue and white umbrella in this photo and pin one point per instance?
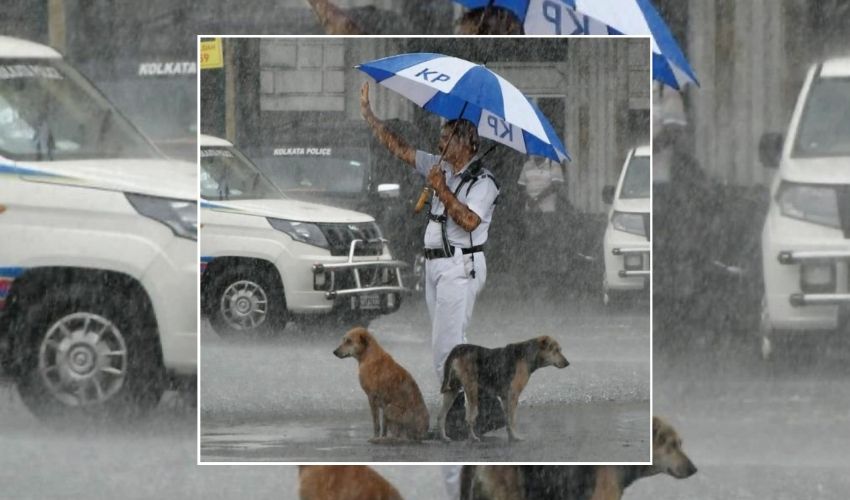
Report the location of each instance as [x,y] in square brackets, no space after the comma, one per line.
[602,17]
[455,88]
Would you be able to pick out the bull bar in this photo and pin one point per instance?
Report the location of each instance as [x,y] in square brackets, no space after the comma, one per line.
[632,273]
[330,270]
[815,256]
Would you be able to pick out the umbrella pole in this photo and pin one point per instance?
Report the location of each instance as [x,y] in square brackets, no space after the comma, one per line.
[425,195]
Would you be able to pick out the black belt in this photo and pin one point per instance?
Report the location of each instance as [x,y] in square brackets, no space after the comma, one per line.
[439,253]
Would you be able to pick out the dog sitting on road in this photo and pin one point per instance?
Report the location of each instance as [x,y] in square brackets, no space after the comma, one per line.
[503,372]
[343,482]
[576,482]
[398,410]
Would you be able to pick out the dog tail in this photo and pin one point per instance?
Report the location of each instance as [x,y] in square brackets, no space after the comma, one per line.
[447,373]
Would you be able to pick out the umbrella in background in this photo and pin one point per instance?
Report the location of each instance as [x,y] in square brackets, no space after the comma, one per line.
[455,88]
[602,17]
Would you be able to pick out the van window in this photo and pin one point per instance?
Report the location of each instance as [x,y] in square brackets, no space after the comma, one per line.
[825,125]
[636,182]
[49,112]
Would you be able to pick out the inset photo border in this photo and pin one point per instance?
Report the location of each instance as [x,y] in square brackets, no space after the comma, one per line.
[314,153]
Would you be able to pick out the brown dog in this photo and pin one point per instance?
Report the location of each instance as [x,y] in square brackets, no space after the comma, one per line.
[398,410]
[343,482]
[503,372]
[576,482]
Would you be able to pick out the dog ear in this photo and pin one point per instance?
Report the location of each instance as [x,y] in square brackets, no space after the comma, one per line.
[364,339]
[656,427]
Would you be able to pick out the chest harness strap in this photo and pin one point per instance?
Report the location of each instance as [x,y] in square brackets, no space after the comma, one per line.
[469,176]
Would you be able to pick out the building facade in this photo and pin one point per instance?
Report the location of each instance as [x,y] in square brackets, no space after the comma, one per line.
[595,92]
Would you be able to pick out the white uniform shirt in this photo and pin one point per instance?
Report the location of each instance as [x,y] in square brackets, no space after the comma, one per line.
[536,178]
[480,200]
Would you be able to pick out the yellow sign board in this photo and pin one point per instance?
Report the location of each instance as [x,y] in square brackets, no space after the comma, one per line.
[211,54]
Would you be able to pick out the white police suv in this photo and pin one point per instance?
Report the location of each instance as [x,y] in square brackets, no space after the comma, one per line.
[98,242]
[626,243]
[806,236]
[266,259]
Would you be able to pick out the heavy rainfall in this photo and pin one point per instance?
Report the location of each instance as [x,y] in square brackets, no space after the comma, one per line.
[285,397]
[747,164]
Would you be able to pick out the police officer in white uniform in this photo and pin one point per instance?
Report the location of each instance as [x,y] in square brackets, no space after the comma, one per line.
[461,210]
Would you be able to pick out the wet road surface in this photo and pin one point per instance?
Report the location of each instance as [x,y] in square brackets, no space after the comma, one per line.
[755,430]
[153,458]
[290,399]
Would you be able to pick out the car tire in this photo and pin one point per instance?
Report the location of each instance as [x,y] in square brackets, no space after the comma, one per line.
[89,353]
[246,302]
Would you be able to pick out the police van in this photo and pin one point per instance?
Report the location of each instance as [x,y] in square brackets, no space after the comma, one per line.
[626,244]
[98,251]
[806,236]
[266,259]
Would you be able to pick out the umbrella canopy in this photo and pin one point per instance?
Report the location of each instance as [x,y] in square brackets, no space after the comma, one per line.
[455,88]
[602,17]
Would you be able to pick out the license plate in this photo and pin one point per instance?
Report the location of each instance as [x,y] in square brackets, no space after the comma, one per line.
[633,262]
[368,302]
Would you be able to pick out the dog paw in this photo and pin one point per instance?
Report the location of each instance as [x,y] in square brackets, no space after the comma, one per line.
[515,438]
[474,439]
[445,439]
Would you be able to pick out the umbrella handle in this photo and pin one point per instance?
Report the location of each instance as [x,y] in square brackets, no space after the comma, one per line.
[423,198]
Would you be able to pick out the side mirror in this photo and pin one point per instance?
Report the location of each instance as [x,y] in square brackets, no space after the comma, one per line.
[388,190]
[608,194]
[770,149]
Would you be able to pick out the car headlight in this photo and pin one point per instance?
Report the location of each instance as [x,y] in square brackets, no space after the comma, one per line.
[628,222]
[301,231]
[817,204]
[181,216]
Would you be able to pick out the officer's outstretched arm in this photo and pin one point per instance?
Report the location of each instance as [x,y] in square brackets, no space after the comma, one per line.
[460,213]
[334,20]
[392,141]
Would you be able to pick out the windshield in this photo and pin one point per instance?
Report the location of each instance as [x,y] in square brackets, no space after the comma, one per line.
[636,182]
[49,112]
[163,108]
[226,174]
[825,125]
[336,170]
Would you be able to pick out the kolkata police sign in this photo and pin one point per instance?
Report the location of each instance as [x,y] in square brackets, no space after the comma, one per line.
[299,151]
[169,68]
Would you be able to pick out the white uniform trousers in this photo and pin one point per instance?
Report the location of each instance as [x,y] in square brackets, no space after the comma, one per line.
[450,293]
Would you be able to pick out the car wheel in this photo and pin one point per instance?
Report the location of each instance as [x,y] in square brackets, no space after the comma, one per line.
[246,302]
[88,354]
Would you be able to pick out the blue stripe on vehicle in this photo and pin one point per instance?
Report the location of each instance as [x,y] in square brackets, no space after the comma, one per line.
[16,170]
[11,272]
